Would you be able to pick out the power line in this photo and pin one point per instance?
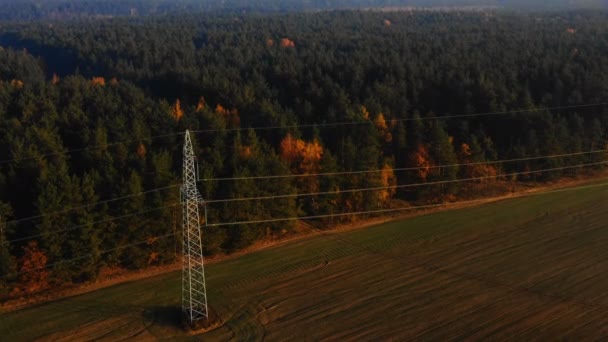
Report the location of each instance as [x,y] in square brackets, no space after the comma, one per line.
[350,123]
[309,194]
[29,218]
[155,238]
[295,218]
[29,237]
[97,147]
[401,169]
[337,192]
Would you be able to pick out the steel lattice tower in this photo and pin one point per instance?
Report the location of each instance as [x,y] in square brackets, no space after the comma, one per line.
[194,293]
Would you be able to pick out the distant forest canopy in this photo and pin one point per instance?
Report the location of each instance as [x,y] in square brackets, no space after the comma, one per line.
[82,83]
[13,10]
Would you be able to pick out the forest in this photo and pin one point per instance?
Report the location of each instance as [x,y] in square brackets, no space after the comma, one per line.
[92,116]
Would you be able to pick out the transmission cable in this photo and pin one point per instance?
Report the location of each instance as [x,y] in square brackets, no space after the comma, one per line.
[24,219]
[337,192]
[306,194]
[295,218]
[400,169]
[93,204]
[155,238]
[29,237]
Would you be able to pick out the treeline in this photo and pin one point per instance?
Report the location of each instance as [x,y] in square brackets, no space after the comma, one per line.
[31,10]
[65,86]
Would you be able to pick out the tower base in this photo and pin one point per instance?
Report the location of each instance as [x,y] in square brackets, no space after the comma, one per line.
[202,325]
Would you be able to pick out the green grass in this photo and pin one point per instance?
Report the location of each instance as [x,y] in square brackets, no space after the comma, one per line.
[532,267]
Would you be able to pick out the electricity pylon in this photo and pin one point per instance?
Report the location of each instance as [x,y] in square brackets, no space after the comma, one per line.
[194,293]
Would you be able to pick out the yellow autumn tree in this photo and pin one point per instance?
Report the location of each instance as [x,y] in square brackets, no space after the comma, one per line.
[290,149]
[311,156]
[383,129]
[380,123]
[388,181]
[364,113]
[303,158]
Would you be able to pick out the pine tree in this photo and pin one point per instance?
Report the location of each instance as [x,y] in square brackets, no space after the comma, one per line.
[7,261]
[329,204]
[84,243]
[55,189]
[164,220]
[442,153]
[368,158]
[133,229]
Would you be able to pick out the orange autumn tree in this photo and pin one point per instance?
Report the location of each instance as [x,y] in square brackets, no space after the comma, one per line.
[17,84]
[421,160]
[467,155]
[383,129]
[287,43]
[153,256]
[141,150]
[98,81]
[32,269]
[231,117]
[245,152]
[303,157]
[176,110]
[200,105]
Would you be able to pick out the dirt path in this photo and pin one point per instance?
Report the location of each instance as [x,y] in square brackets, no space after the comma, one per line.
[303,231]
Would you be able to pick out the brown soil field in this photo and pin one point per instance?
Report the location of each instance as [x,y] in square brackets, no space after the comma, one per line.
[517,269]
